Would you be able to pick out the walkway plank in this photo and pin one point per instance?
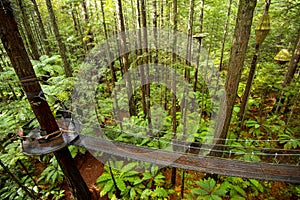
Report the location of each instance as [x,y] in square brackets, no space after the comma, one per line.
[214,165]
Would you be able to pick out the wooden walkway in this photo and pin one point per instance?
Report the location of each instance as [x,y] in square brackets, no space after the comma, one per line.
[213,165]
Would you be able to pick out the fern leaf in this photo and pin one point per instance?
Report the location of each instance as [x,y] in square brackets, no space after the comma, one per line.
[107,188]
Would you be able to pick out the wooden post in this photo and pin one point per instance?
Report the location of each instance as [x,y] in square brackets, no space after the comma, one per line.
[16,51]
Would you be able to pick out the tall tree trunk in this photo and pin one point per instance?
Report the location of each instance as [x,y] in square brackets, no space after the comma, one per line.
[90,40]
[41,26]
[74,19]
[293,65]
[32,42]
[174,124]
[139,53]
[85,12]
[199,46]
[14,46]
[166,91]
[161,21]
[96,10]
[187,61]
[73,49]
[111,66]
[133,21]
[146,61]
[174,121]
[125,61]
[187,78]
[154,4]
[81,31]
[37,33]
[246,94]
[61,45]
[225,34]
[289,75]
[236,62]
[189,42]
[27,46]
[78,27]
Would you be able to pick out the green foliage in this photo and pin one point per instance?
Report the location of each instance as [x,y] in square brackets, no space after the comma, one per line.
[150,184]
[208,189]
[48,65]
[245,151]
[52,174]
[267,82]
[53,193]
[289,140]
[122,177]
[298,190]
[132,184]
[11,191]
[254,127]
[12,158]
[13,116]
[12,154]
[242,189]
[74,150]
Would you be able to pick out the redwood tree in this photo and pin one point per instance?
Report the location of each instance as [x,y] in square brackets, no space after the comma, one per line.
[28,30]
[16,51]
[236,62]
[125,61]
[61,45]
[41,26]
[259,40]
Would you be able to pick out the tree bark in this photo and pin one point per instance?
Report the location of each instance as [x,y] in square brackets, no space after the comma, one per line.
[16,51]
[199,47]
[155,56]
[78,27]
[225,35]
[125,61]
[174,122]
[245,97]
[111,66]
[293,65]
[246,94]
[133,21]
[90,40]
[236,62]
[189,43]
[289,76]
[146,61]
[37,33]
[31,40]
[161,15]
[139,53]
[97,11]
[61,45]
[41,26]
